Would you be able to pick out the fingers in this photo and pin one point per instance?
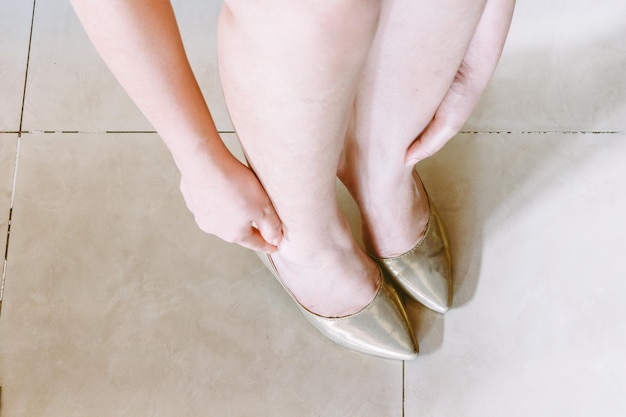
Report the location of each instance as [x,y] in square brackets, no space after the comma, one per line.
[263,233]
[472,78]
[255,241]
[270,226]
[453,111]
[451,115]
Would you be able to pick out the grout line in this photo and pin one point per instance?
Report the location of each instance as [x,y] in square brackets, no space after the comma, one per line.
[129,131]
[544,132]
[464,132]
[17,152]
[6,248]
[90,132]
[403,362]
[4,272]
[30,41]
[8,238]
[114,132]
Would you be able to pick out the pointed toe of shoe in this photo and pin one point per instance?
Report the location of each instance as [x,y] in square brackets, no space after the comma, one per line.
[425,272]
[380,329]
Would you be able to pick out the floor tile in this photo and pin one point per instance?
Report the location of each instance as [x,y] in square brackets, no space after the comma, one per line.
[15,20]
[562,69]
[70,88]
[116,304]
[536,227]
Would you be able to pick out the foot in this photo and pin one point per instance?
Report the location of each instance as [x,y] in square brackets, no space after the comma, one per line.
[329,280]
[394,211]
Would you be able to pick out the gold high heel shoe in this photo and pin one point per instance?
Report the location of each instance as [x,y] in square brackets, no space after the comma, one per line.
[425,272]
[381,328]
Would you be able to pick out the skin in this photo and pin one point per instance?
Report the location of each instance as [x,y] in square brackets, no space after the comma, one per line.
[362,89]
[426,71]
[140,43]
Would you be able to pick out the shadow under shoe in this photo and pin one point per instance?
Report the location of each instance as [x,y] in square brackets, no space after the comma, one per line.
[380,329]
[424,272]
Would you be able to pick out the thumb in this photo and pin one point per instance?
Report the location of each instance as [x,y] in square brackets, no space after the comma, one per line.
[253,240]
[270,226]
[431,140]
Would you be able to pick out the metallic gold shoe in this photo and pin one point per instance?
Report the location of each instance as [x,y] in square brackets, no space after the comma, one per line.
[425,272]
[381,328]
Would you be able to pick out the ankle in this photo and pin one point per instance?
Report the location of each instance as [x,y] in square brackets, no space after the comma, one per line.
[394,219]
[304,239]
[311,252]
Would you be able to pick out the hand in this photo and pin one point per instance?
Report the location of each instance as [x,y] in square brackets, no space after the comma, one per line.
[232,204]
[140,42]
[469,83]
[451,115]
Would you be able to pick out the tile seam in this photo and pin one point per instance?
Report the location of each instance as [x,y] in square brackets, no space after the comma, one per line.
[114,132]
[465,132]
[17,151]
[545,132]
[30,41]
[403,389]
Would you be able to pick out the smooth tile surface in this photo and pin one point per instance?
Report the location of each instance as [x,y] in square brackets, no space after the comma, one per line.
[70,87]
[116,304]
[15,21]
[536,224]
[562,69]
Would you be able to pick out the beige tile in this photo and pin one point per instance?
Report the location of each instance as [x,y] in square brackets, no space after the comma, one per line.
[70,88]
[562,69]
[8,145]
[115,303]
[537,227]
[15,19]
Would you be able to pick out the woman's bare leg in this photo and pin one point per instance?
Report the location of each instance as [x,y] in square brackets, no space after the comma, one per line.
[290,71]
[414,60]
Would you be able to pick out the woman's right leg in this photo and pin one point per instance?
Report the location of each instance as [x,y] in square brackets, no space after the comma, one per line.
[290,70]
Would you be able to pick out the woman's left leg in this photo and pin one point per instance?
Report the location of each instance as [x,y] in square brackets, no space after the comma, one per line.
[415,56]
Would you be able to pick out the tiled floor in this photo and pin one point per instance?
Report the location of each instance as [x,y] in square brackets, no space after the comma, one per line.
[562,70]
[114,303]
